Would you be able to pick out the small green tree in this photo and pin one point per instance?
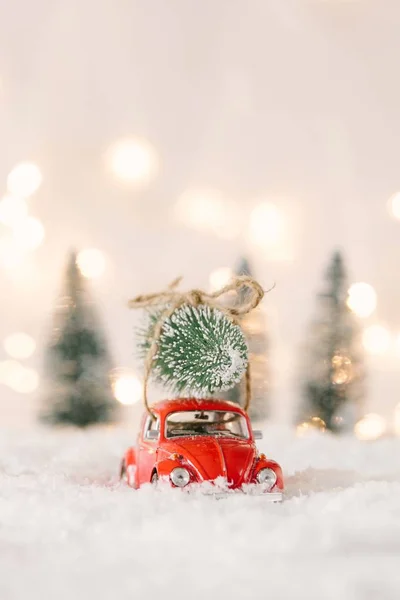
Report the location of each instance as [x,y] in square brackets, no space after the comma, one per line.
[333,367]
[77,361]
[254,328]
[200,351]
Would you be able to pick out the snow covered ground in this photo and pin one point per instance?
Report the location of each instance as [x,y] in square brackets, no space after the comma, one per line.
[68,530]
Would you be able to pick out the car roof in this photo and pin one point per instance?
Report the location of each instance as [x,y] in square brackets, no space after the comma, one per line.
[182,404]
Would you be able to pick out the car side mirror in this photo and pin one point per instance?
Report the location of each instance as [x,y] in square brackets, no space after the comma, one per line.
[258,435]
[152,435]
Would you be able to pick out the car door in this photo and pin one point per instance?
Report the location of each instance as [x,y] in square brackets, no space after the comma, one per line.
[148,449]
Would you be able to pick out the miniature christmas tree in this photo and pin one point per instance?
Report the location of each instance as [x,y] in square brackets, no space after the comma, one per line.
[193,343]
[77,362]
[200,351]
[333,366]
[254,327]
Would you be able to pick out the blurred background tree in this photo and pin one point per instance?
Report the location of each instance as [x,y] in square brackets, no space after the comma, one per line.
[78,363]
[254,328]
[333,365]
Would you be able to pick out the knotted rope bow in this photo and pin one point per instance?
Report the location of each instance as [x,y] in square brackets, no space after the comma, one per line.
[173,299]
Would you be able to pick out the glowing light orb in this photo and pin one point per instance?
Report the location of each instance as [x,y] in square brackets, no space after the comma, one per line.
[207,210]
[266,224]
[343,371]
[133,161]
[9,371]
[394,205]
[127,388]
[13,210]
[20,379]
[376,339]
[340,361]
[220,277]
[340,376]
[200,209]
[19,345]
[303,428]
[371,427]
[24,179]
[26,381]
[362,299]
[29,234]
[318,423]
[312,425]
[91,263]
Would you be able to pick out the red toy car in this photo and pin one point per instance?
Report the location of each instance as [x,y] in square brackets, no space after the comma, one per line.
[194,441]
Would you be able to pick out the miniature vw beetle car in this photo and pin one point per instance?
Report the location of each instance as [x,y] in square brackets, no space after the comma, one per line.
[188,442]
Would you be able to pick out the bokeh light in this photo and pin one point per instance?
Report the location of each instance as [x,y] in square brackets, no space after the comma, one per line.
[266,224]
[25,381]
[20,379]
[376,339]
[9,371]
[303,428]
[394,205]
[362,299]
[370,427]
[220,277]
[318,424]
[207,210]
[311,426]
[24,180]
[19,345]
[29,234]
[342,369]
[340,376]
[127,387]
[200,209]
[91,263]
[13,210]
[133,161]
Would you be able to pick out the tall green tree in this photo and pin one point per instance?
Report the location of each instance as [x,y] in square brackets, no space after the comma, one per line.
[254,328]
[78,363]
[333,367]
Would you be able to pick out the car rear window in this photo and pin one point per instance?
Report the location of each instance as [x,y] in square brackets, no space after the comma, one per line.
[217,423]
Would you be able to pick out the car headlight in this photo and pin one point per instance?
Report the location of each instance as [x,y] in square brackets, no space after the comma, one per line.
[267,477]
[180,476]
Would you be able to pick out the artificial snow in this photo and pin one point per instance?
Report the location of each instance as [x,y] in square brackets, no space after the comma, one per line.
[69,530]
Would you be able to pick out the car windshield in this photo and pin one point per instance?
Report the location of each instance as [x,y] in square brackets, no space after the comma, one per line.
[219,423]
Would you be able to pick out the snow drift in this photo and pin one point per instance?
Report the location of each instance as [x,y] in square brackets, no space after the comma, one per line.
[68,529]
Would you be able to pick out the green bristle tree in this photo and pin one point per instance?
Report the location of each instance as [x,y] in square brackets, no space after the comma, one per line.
[200,351]
[333,370]
[77,360]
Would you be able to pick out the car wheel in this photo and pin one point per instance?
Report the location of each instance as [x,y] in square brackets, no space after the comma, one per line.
[154,478]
